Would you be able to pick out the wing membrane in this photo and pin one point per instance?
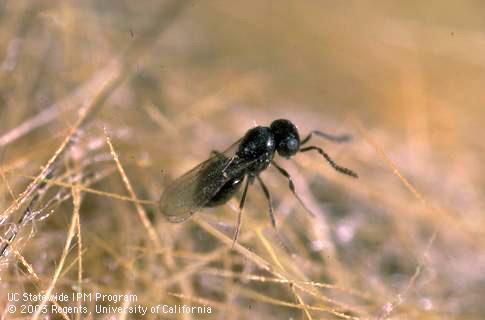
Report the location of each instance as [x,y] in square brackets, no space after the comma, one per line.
[190,192]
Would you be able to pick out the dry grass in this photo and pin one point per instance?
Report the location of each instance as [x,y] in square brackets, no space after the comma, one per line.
[102,104]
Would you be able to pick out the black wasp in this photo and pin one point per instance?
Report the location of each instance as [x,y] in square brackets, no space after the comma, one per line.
[216,180]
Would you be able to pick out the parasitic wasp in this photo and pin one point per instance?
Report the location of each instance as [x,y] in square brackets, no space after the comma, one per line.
[214,181]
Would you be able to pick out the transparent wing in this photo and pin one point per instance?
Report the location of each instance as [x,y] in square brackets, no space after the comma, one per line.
[190,192]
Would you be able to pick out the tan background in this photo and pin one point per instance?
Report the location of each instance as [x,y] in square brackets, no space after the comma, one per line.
[168,82]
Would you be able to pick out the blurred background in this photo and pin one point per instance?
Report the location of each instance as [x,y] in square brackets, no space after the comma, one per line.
[103,103]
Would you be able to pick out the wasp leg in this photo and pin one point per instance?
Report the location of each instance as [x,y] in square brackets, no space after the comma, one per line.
[292,186]
[267,194]
[239,216]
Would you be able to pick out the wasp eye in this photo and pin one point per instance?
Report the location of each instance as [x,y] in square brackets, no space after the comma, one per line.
[288,147]
[292,145]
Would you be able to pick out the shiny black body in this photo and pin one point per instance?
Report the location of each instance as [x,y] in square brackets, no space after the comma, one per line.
[258,146]
[218,179]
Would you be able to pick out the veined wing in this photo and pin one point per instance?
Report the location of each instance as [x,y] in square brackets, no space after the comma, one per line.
[190,192]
